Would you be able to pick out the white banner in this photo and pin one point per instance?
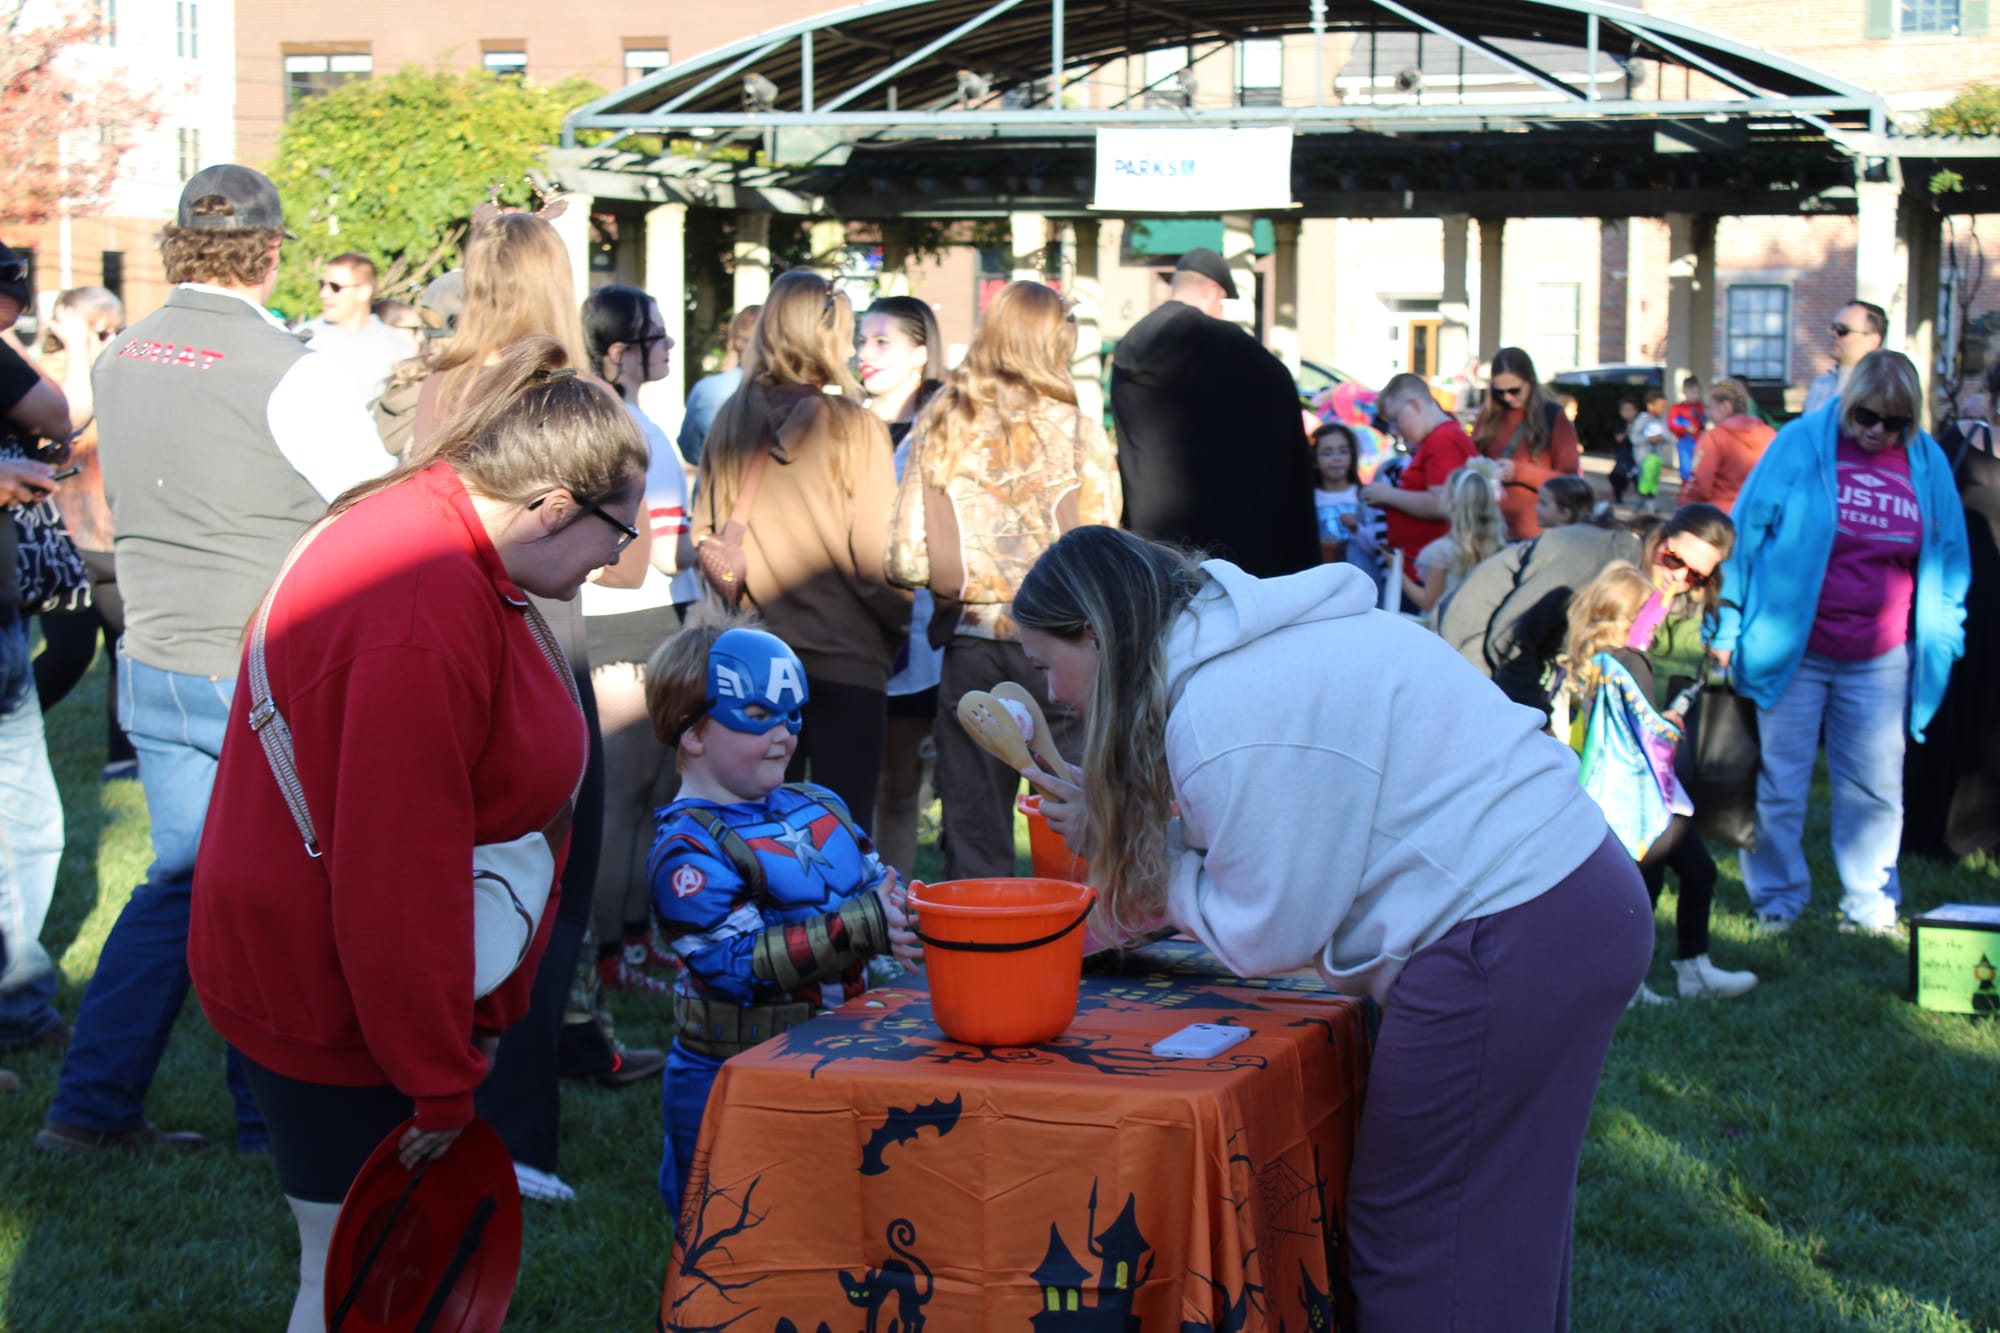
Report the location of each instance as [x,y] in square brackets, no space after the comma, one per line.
[1194,170]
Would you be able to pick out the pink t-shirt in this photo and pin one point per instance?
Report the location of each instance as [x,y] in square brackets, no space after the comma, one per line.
[1864,605]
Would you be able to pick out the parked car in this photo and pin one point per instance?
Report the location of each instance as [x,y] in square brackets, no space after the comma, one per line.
[1597,390]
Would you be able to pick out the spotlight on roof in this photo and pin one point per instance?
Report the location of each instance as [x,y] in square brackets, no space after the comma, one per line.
[1184,80]
[1409,79]
[759,93]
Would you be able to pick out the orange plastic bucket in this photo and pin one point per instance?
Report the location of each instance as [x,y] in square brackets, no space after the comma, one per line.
[1047,852]
[1004,956]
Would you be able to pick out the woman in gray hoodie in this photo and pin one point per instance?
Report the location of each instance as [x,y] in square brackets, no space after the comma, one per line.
[1427,846]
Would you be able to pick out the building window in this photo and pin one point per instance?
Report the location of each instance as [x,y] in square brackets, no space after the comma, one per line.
[506,64]
[1927,16]
[1558,318]
[1168,78]
[317,75]
[189,144]
[111,267]
[1260,73]
[645,60]
[1760,320]
[187,33]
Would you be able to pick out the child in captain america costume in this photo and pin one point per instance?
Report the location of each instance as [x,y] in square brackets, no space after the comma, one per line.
[771,896]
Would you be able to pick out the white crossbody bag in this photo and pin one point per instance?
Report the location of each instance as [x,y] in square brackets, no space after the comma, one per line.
[511,881]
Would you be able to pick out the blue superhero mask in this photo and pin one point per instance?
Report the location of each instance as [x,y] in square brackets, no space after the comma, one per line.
[749,667]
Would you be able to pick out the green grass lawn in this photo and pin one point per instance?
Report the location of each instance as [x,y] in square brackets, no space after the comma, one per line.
[1817,1156]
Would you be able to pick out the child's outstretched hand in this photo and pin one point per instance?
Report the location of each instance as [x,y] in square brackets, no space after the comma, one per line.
[903,941]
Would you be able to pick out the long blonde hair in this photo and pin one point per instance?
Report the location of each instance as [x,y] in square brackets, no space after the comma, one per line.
[1476,527]
[532,424]
[1600,620]
[803,338]
[1126,592]
[518,284]
[1020,354]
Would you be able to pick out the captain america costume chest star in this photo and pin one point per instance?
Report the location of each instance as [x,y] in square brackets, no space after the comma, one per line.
[812,859]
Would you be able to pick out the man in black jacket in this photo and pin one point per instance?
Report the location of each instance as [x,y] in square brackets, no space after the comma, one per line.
[1211,443]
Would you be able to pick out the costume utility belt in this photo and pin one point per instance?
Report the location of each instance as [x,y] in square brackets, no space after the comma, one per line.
[719,1029]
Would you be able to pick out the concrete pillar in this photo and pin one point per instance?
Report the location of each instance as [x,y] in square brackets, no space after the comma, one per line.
[573,226]
[894,279]
[1923,237]
[1285,278]
[1087,366]
[1492,247]
[753,259]
[1881,260]
[1319,334]
[828,239]
[665,280]
[1030,233]
[1239,253]
[1690,299]
[1455,304]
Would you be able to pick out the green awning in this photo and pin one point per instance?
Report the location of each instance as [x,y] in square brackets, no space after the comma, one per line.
[1173,237]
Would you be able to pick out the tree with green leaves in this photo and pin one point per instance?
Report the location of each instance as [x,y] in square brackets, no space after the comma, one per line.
[1973,113]
[393,167]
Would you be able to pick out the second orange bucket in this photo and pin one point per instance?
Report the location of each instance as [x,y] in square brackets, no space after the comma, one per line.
[1047,852]
[1004,956]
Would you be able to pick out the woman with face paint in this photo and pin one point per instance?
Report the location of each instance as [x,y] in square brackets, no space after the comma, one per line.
[1846,608]
[1461,877]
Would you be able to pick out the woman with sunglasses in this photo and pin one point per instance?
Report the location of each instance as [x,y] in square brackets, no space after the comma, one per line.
[1682,559]
[1528,433]
[1847,609]
[629,348]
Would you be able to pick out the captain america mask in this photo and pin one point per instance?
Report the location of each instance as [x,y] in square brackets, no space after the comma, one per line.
[749,668]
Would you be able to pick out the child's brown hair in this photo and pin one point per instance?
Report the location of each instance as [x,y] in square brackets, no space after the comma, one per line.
[677,674]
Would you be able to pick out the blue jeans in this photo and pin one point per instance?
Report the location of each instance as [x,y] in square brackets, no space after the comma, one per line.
[176,723]
[1685,446]
[31,843]
[1863,706]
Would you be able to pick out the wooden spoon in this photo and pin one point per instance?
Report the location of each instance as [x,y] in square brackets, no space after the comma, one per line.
[1044,742]
[988,722]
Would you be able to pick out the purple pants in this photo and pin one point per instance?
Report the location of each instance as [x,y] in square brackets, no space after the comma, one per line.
[1463,1192]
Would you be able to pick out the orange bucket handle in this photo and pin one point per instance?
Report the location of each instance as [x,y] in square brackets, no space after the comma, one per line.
[1002,946]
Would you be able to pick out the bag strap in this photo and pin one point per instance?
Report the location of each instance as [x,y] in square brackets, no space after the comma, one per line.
[739,513]
[748,867]
[275,734]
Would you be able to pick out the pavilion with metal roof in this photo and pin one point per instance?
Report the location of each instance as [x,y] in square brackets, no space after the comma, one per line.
[1460,109]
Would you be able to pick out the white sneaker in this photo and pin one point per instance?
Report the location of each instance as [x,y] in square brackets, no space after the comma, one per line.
[1702,980]
[1888,930]
[541,1185]
[1644,996]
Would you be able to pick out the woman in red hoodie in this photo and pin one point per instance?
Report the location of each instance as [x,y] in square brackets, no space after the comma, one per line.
[1727,450]
[429,713]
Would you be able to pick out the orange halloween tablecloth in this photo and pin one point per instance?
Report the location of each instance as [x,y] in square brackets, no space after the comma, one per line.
[863,1173]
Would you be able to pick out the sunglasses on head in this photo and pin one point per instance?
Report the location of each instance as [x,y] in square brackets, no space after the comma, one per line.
[13,270]
[1869,420]
[1695,578]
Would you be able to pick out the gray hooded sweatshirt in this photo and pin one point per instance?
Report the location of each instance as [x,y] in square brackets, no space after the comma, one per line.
[1350,788]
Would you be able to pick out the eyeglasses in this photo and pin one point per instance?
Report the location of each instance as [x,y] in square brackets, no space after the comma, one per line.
[1514,392]
[329,285]
[627,534]
[1695,578]
[1869,420]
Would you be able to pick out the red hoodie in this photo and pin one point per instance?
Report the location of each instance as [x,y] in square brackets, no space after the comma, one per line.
[1723,458]
[424,720]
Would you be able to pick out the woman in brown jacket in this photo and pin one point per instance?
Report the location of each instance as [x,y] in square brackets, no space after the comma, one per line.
[1002,463]
[1727,450]
[818,526]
